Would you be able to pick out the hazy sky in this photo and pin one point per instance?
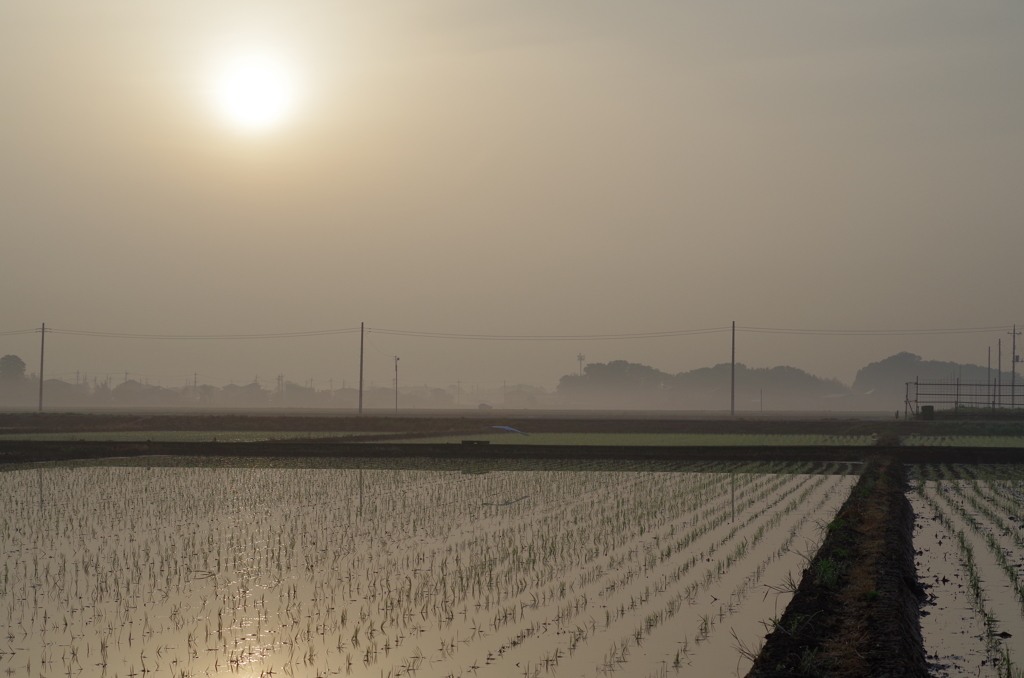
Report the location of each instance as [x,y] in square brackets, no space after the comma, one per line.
[506,167]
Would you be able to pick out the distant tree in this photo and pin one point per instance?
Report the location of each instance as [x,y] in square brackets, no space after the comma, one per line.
[617,375]
[618,383]
[888,378]
[12,368]
[624,384]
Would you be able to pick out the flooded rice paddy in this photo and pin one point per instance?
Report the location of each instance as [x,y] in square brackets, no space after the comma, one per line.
[963,441]
[970,552]
[136,571]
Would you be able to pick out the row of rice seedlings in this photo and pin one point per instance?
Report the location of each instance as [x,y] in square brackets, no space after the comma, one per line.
[1006,486]
[184,436]
[666,439]
[997,508]
[643,596]
[997,651]
[708,521]
[739,552]
[943,490]
[707,622]
[963,441]
[733,604]
[236,562]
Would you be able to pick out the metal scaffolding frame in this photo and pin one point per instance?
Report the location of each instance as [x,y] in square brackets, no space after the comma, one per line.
[954,394]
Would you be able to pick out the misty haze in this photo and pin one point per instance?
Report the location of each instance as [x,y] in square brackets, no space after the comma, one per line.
[617,385]
[462,339]
[628,178]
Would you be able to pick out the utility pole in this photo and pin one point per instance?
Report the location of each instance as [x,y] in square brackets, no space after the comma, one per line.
[361,328]
[1013,365]
[396,384]
[732,388]
[999,372]
[988,379]
[581,358]
[42,347]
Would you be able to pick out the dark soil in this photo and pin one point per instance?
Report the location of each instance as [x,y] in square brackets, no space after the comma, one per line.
[855,613]
[391,446]
[539,423]
[20,452]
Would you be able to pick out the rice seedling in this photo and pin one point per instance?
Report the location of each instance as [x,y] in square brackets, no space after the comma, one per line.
[944,491]
[140,569]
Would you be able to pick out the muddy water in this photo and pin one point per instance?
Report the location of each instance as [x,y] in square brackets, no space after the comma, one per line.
[256,572]
[953,632]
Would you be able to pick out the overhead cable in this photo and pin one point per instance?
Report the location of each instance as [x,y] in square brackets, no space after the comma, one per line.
[527,337]
[875,333]
[270,335]
[546,337]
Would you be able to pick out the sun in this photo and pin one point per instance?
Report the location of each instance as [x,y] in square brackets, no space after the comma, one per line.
[255,93]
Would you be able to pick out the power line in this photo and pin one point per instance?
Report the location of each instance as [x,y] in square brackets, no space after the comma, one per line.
[273,335]
[524,337]
[374,347]
[546,337]
[878,333]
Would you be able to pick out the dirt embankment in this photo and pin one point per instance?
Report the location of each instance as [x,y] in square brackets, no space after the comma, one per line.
[56,422]
[856,611]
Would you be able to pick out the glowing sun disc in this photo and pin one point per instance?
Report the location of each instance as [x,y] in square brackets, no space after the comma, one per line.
[255,93]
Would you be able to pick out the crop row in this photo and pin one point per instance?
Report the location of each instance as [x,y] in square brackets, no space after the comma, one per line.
[191,571]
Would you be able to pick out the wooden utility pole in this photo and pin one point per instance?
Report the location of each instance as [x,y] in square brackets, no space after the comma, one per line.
[361,331]
[999,372]
[396,384]
[1013,365]
[42,347]
[732,388]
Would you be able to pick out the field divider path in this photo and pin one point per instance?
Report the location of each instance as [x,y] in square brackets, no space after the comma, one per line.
[29,451]
[855,611]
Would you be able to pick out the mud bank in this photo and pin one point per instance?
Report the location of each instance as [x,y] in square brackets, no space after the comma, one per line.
[27,451]
[537,421]
[16,451]
[856,610]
